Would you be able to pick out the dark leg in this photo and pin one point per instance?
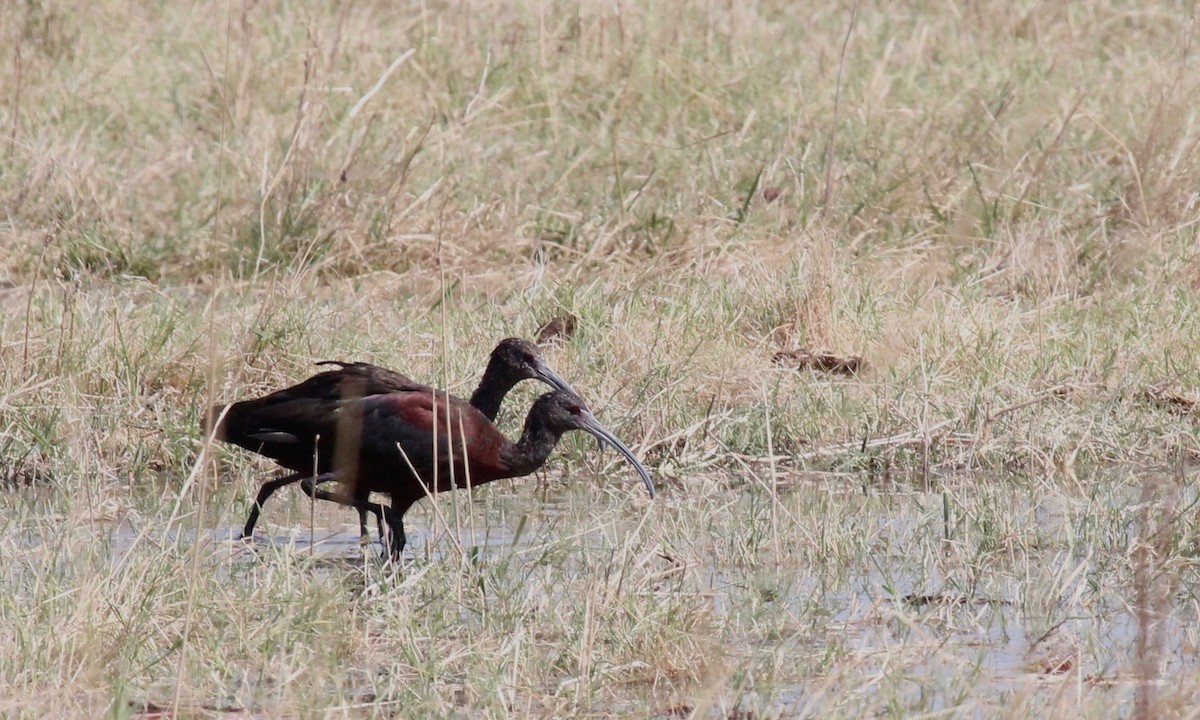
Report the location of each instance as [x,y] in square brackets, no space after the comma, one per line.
[391,525]
[267,490]
[363,533]
[396,540]
[364,506]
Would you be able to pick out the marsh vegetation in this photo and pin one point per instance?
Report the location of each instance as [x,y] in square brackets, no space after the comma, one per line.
[992,208]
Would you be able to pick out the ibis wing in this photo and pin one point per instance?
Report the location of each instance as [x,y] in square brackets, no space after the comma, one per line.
[349,380]
[398,436]
[283,425]
[285,430]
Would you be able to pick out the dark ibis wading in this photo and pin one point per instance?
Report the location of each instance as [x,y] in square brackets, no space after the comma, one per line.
[264,425]
[413,443]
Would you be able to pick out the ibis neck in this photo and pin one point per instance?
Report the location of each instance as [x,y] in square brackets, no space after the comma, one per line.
[493,386]
[530,452]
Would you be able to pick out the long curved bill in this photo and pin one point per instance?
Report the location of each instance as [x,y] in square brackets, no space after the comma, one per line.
[593,426]
[550,377]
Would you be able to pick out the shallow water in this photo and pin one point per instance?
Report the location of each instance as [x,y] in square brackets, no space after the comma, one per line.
[893,628]
[324,543]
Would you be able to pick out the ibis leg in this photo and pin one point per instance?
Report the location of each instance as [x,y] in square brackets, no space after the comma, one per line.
[391,526]
[396,540]
[267,490]
[363,533]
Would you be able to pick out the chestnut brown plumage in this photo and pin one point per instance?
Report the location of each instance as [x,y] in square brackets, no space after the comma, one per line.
[261,425]
[412,443]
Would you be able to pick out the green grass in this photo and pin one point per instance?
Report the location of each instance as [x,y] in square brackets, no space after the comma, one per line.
[993,205]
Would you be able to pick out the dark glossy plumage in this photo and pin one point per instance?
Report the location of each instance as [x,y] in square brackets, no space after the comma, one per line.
[251,423]
[412,443]
[269,425]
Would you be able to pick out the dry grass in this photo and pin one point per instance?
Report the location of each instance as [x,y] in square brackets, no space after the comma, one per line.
[994,206]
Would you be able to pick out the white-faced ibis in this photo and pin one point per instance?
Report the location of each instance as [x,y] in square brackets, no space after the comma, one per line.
[412,443]
[262,425]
